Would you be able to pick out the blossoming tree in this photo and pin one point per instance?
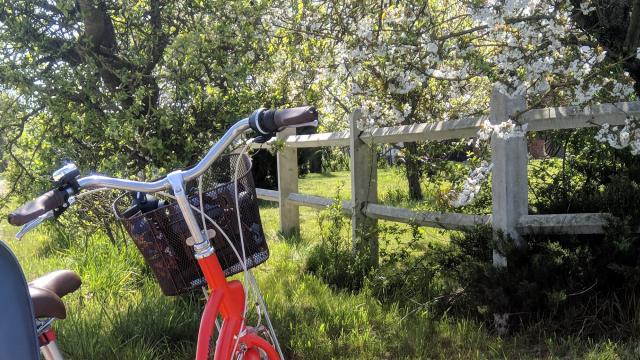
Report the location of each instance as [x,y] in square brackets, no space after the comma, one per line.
[422,61]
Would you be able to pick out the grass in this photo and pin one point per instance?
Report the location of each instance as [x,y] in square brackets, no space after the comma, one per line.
[120,313]
[392,190]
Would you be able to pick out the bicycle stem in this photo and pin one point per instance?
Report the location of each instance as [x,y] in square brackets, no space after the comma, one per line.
[202,247]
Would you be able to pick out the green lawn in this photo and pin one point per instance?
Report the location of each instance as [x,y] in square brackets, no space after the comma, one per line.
[120,313]
[392,188]
[390,182]
[328,184]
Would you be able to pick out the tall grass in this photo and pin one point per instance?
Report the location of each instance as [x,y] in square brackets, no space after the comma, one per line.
[120,312]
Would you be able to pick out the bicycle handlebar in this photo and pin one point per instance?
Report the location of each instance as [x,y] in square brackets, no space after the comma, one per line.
[294,117]
[276,120]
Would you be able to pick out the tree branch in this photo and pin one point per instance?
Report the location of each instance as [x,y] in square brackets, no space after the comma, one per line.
[509,21]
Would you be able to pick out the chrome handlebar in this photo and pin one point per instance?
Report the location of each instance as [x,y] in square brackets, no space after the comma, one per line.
[150,187]
[163,184]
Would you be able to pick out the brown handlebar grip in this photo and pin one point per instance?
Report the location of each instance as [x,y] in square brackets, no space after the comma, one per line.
[295,116]
[40,205]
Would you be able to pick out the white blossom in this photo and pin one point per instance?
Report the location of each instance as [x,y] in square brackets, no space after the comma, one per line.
[375,62]
[471,186]
[485,130]
[365,28]
[504,130]
[585,8]
[628,136]
[406,110]
[432,47]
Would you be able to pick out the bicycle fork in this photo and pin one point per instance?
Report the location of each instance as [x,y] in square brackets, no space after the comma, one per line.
[226,298]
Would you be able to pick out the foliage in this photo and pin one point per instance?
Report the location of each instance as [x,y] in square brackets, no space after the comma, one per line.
[141,87]
[334,159]
[599,276]
[123,87]
[421,61]
[405,275]
[598,288]
[404,62]
[575,182]
[333,259]
[599,272]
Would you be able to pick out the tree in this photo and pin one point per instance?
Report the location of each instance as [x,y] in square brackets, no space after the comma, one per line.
[421,61]
[372,55]
[124,87]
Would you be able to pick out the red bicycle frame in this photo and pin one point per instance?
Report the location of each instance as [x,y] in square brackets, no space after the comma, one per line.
[227,298]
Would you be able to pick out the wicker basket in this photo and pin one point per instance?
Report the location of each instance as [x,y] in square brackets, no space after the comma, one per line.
[161,234]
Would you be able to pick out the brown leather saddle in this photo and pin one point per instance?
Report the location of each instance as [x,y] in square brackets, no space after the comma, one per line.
[47,290]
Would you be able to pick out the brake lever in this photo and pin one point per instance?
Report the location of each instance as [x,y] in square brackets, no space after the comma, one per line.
[46,216]
[34,223]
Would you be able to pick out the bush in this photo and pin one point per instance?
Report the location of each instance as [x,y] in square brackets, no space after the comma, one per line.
[403,276]
[585,282]
[333,259]
[582,283]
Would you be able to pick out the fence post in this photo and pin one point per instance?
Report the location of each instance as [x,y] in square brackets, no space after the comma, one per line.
[364,190]
[509,186]
[288,183]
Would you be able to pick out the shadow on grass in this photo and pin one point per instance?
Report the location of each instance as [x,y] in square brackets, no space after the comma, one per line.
[291,238]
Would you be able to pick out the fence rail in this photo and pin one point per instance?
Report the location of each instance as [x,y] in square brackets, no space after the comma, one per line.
[555,118]
[509,182]
[584,223]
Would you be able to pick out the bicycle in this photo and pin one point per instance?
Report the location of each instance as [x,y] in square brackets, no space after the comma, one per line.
[226,298]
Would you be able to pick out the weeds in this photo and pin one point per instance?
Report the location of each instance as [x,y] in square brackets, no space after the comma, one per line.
[333,258]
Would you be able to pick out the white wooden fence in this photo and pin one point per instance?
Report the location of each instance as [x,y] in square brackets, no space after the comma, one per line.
[509,181]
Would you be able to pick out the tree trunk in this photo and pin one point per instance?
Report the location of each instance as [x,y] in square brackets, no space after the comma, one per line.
[412,165]
[316,161]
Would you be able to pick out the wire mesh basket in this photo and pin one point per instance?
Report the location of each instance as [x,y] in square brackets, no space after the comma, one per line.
[161,234]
